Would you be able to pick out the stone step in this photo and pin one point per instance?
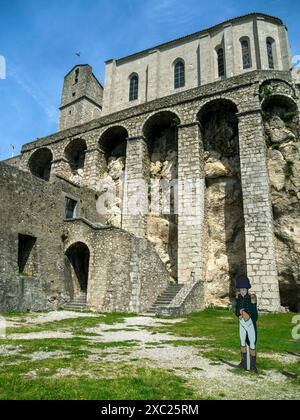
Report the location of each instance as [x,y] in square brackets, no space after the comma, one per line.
[78,303]
[164,300]
[75,308]
[75,305]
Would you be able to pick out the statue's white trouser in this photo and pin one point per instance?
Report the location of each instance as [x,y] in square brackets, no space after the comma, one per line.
[247,327]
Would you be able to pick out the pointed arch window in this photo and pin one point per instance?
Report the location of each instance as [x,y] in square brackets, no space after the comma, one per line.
[134,88]
[221,62]
[246,53]
[179,74]
[270,51]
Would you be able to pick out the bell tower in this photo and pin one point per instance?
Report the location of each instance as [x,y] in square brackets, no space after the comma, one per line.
[81,97]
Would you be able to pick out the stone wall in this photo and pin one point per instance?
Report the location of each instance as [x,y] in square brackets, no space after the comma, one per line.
[126,274]
[155,66]
[35,208]
[249,94]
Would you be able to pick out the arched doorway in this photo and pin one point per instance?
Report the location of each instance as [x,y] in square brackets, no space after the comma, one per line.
[113,143]
[77,266]
[225,225]
[40,163]
[161,134]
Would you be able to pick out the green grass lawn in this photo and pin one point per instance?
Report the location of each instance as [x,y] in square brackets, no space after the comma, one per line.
[74,375]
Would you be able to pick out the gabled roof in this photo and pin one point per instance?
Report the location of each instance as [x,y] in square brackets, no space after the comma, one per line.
[202,32]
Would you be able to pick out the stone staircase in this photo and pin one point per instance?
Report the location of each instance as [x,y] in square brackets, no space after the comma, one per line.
[78,303]
[164,300]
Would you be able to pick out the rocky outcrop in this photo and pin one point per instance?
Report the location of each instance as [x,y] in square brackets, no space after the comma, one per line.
[162,222]
[282,140]
[224,231]
[111,191]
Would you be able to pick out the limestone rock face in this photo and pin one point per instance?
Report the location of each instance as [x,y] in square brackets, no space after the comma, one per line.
[278,131]
[110,191]
[225,238]
[77,176]
[276,167]
[215,169]
[224,253]
[163,232]
[162,222]
[284,170]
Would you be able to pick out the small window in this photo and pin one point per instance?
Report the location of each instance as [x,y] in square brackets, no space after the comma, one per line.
[71,207]
[246,54]
[74,94]
[134,88]
[27,255]
[221,62]
[270,52]
[179,75]
[76,75]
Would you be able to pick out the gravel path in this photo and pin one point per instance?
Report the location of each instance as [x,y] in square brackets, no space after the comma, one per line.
[150,350]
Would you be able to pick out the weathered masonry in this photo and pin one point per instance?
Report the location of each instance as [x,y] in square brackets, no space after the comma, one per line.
[184,182]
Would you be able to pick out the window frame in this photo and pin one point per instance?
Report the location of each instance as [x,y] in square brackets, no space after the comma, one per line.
[221,64]
[179,73]
[133,88]
[247,54]
[270,43]
[75,208]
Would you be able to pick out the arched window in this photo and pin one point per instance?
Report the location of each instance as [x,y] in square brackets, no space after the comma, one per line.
[246,54]
[134,88]
[76,76]
[221,62]
[179,74]
[270,52]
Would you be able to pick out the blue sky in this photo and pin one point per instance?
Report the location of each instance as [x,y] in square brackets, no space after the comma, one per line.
[39,39]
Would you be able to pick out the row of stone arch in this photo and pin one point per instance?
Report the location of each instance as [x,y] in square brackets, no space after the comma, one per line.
[113,142]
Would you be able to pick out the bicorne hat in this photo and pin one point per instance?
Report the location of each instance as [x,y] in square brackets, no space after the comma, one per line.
[243,282]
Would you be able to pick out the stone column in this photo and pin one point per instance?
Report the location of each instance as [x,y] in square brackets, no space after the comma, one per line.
[260,244]
[61,168]
[136,185]
[191,201]
[206,71]
[229,51]
[94,168]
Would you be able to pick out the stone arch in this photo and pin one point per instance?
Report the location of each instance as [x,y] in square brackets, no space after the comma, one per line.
[225,225]
[213,113]
[40,163]
[113,144]
[161,133]
[282,102]
[281,118]
[275,86]
[77,267]
[75,154]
